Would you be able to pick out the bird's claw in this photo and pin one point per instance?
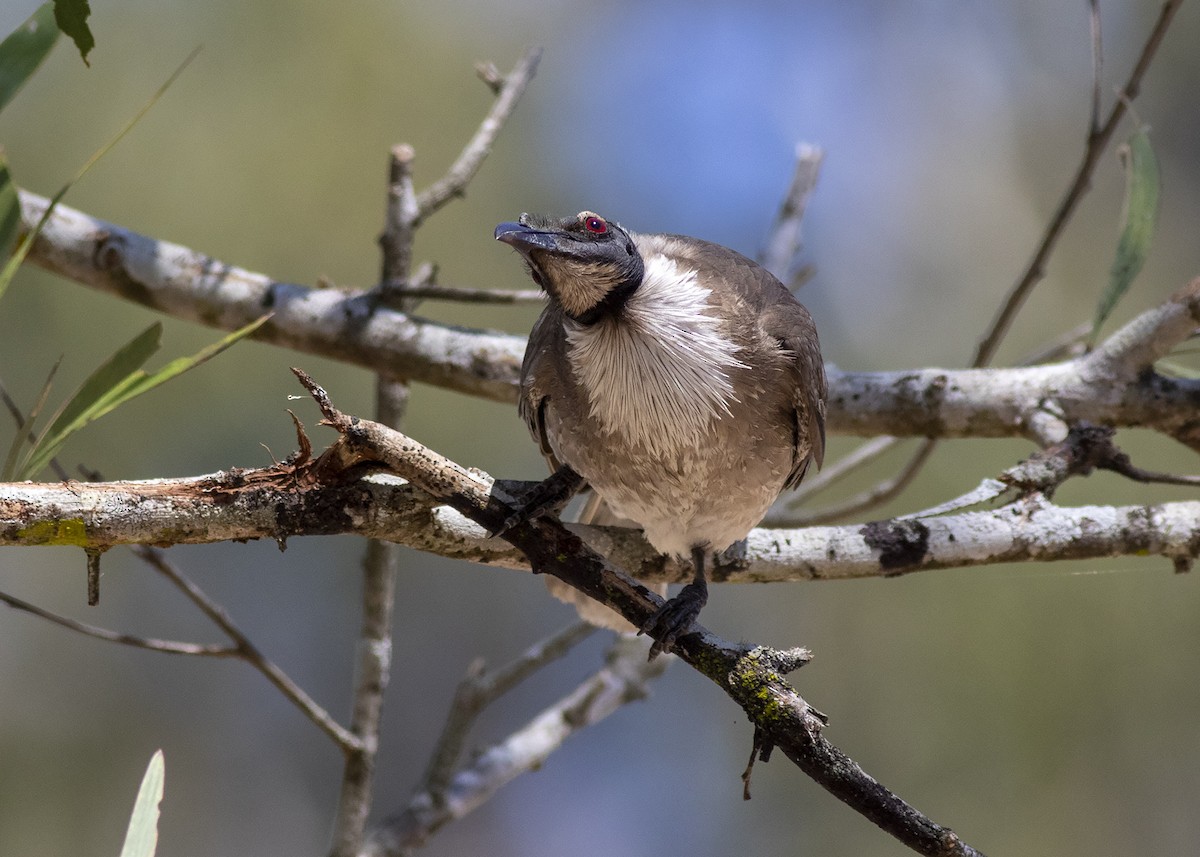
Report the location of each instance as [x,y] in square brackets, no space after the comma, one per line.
[675,618]
[547,496]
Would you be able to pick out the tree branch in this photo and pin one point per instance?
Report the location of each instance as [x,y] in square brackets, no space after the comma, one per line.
[922,403]
[623,679]
[783,242]
[170,647]
[750,675]
[477,690]
[288,500]
[347,326]
[245,649]
[1097,141]
[464,168]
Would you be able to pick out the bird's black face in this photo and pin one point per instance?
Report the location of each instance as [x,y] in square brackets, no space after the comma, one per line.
[587,264]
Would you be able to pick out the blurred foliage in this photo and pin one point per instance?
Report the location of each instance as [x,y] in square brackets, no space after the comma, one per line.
[71,17]
[23,50]
[1138,214]
[117,380]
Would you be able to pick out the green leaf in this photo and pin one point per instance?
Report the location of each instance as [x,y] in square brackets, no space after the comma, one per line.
[141,838]
[120,379]
[25,427]
[143,383]
[1139,216]
[10,209]
[1177,370]
[10,268]
[23,51]
[76,412]
[71,17]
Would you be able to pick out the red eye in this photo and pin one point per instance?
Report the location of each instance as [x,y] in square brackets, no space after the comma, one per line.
[595,225]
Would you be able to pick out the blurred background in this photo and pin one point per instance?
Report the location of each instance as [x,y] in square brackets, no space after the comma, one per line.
[1035,709]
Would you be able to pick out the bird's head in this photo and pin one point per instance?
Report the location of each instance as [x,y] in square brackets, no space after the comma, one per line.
[588,265]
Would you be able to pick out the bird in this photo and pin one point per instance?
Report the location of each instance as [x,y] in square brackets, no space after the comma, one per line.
[678,379]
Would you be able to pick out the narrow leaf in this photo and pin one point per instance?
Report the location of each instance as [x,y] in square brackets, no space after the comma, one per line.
[10,209]
[71,17]
[10,268]
[1139,216]
[23,51]
[1177,370]
[25,428]
[114,372]
[104,397]
[141,837]
[143,383]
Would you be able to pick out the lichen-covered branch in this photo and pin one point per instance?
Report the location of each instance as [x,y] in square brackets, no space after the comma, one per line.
[751,675]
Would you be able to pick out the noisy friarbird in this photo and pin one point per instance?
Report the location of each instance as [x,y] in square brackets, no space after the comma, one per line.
[677,378]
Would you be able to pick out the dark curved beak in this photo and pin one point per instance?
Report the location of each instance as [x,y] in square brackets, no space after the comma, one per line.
[525,238]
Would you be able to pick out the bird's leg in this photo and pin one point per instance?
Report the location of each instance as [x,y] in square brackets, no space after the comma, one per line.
[549,495]
[674,618]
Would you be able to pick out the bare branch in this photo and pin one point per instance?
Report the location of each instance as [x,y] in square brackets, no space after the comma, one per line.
[463,170]
[877,494]
[263,504]
[169,647]
[374,664]
[623,679]
[396,241]
[345,326]
[923,403]
[1148,338]
[862,455]
[246,650]
[1097,141]
[461,294]
[750,675]
[477,690]
[784,241]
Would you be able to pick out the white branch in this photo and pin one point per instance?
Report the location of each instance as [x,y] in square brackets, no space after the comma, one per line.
[186,284]
[621,681]
[1109,386]
[275,504]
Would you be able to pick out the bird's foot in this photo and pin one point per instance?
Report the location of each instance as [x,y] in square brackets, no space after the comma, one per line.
[549,495]
[674,619]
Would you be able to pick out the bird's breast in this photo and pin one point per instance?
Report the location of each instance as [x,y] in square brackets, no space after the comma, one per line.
[668,415]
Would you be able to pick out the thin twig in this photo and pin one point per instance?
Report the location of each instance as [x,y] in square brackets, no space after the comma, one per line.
[874,496]
[860,456]
[621,680]
[246,650]
[468,295]
[478,689]
[402,212]
[19,419]
[1097,64]
[464,168]
[784,242]
[170,647]
[1097,142]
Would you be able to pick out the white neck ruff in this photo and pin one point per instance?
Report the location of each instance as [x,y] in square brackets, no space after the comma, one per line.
[657,372]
